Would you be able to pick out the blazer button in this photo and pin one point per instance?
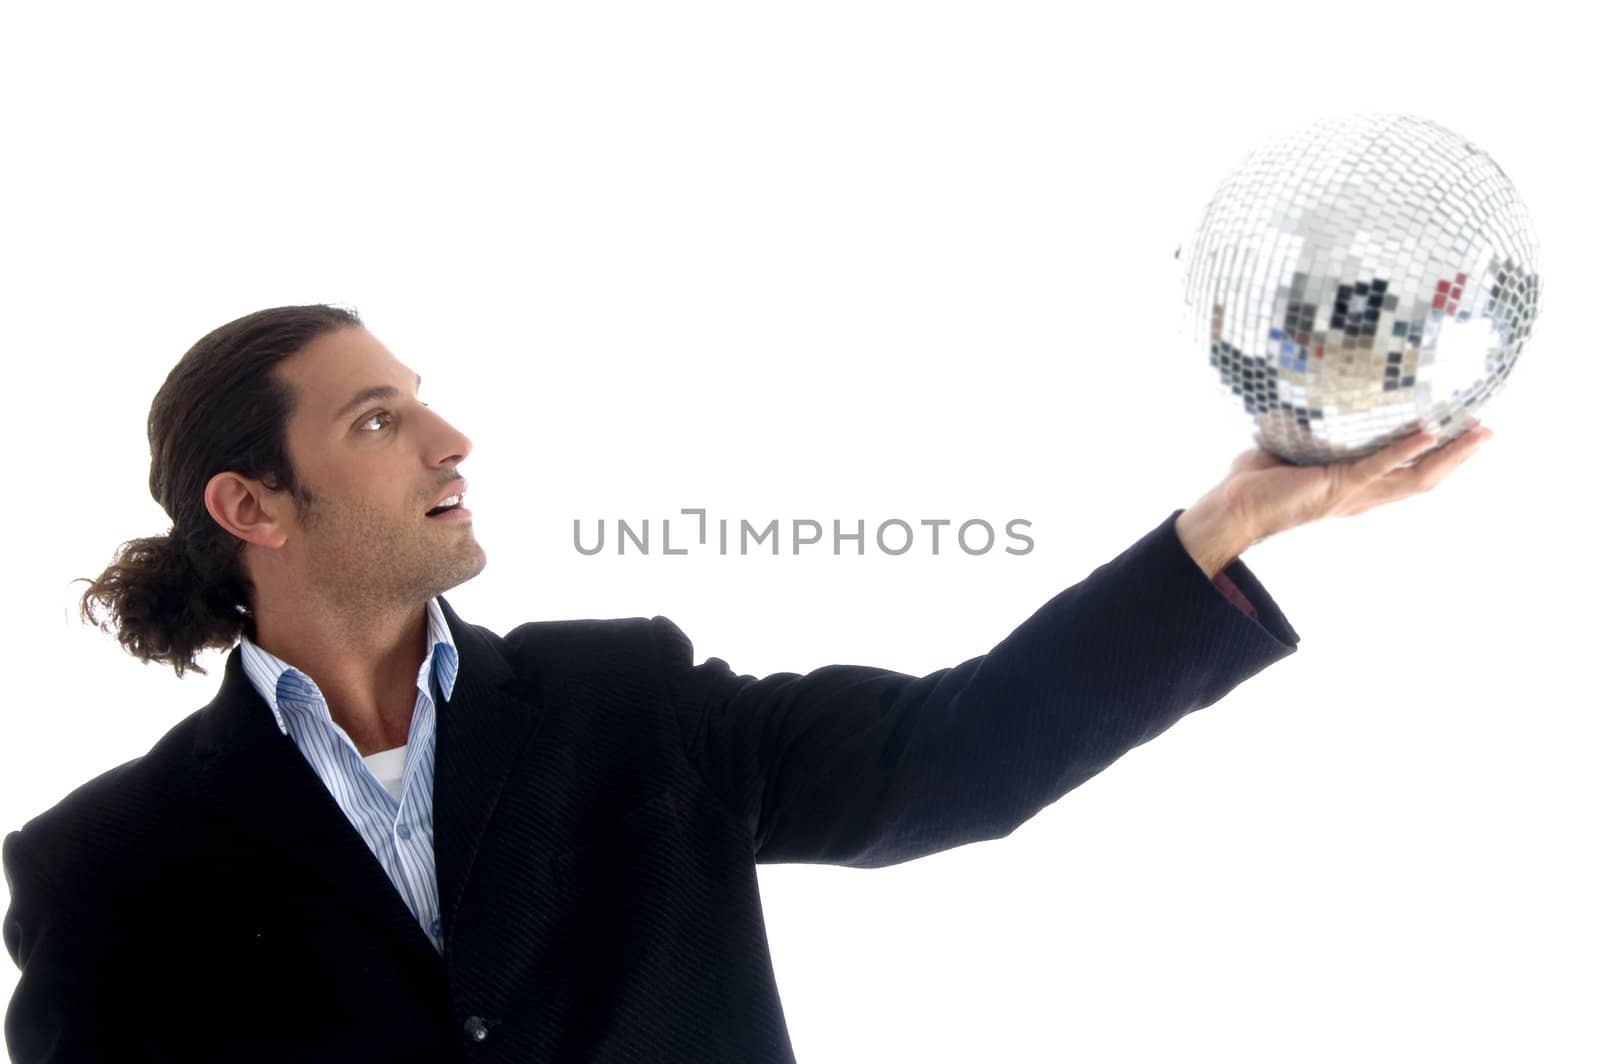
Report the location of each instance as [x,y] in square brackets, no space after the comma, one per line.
[476,1029]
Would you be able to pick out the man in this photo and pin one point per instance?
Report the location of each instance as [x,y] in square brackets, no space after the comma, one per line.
[394,835]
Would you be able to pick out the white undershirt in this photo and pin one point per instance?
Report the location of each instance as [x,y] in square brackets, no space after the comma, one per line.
[389,766]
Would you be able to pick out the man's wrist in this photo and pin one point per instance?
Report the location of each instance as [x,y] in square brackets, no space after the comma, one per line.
[1212,535]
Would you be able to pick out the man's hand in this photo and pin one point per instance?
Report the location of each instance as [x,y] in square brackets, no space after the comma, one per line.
[1263,495]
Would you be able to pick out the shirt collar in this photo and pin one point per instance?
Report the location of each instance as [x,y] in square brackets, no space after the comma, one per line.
[276,680]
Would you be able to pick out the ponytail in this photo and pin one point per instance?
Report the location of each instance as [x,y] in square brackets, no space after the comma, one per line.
[162,606]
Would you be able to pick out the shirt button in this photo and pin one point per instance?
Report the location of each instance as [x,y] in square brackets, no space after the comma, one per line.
[404,831]
[436,927]
[476,1029]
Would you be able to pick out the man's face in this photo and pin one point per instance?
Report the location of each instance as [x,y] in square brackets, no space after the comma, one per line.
[371,469]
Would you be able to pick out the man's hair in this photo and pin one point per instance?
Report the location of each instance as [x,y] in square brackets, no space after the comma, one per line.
[221,409]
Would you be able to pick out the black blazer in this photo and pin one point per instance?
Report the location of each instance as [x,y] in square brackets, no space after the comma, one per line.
[601,803]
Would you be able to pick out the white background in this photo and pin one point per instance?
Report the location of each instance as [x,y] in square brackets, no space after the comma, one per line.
[870,260]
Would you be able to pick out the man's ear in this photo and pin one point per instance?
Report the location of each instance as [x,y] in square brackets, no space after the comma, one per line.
[244,507]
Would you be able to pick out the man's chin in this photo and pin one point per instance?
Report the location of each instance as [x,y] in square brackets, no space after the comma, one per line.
[464,573]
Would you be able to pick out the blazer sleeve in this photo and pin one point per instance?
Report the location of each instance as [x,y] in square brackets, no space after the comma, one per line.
[866,767]
[60,1011]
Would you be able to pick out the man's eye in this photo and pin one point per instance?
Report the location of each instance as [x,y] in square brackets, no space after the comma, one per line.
[377,414]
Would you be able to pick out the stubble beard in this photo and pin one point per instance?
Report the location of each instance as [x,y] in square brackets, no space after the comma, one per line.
[367,560]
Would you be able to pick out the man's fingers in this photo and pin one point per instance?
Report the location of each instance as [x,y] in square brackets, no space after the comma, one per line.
[1434,468]
[1400,483]
[1380,463]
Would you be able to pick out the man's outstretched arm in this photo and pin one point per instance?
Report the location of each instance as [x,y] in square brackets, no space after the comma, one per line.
[868,767]
[860,766]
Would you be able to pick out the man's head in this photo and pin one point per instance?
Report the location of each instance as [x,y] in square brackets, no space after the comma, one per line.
[369,459]
[280,486]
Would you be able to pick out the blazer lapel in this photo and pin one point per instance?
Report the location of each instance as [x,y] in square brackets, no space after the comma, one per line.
[257,783]
[258,787]
[490,718]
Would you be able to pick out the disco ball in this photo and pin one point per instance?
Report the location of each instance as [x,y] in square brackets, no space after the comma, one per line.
[1367,277]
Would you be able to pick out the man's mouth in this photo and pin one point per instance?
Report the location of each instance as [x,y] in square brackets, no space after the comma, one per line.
[451,503]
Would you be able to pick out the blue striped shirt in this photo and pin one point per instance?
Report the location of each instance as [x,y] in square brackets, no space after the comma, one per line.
[399,832]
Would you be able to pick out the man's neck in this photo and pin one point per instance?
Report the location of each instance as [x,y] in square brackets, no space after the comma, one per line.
[365,663]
